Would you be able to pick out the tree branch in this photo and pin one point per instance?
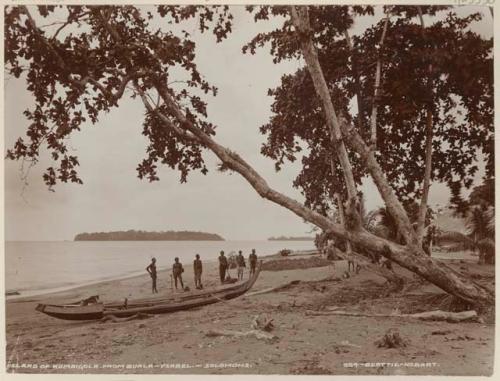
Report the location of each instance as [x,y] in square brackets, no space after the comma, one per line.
[113,98]
[422,211]
[60,28]
[406,256]
[433,271]
[340,206]
[373,120]
[236,163]
[300,19]
[396,209]
[31,22]
[171,126]
[357,84]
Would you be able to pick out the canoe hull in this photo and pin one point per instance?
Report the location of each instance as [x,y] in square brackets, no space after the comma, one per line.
[97,311]
[90,312]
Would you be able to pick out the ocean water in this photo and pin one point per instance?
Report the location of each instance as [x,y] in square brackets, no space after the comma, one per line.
[33,268]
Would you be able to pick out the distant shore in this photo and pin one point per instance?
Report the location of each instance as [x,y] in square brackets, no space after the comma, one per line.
[282,238]
[139,235]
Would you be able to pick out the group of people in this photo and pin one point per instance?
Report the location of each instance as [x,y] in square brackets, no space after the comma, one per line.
[178,269]
[240,264]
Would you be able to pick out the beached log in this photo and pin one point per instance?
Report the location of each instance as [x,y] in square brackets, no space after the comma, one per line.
[346,313]
[438,315]
[332,308]
[452,317]
[260,335]
[273,289]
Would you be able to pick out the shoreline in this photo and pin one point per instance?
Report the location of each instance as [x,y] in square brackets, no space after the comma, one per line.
[65,274]
[76,286]
[39,294]
[23,294]
[303,344]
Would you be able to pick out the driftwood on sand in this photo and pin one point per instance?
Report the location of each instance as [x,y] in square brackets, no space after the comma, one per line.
[438,315]
[274,289]
[261,325]
[258,334]
[115,319]
[453,317]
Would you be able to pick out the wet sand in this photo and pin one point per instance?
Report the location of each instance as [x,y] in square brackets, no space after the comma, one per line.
[177,342]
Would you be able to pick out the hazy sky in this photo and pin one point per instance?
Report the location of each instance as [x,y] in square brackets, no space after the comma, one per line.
[113,198]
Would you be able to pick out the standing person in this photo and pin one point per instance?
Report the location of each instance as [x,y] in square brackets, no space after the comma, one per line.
[198,268]
[240,260]
[222,266]
[177,271]
[151,269]
[253,262]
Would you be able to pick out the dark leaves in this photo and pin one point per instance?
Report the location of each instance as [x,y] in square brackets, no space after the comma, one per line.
[85,74]
[458,91]
[167,148]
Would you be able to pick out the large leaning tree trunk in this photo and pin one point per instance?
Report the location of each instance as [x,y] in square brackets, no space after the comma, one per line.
[411,256]
[415,259]
[148,84]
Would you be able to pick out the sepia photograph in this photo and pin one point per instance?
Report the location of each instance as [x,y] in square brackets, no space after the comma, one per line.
[248,189]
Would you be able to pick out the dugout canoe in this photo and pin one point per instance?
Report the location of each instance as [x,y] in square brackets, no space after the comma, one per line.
[92,309]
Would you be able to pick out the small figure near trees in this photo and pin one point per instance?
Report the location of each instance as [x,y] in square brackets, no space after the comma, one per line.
[350,263]
[331,252]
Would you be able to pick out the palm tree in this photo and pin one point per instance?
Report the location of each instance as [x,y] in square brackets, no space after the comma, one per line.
[387,226]
[480,223]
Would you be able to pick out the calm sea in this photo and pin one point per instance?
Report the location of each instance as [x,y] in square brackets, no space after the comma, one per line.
[38,267]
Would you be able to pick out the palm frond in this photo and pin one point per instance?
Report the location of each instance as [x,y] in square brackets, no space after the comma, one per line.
[370,219]
[455,237]
[477,222]
[486,245]
[490,225]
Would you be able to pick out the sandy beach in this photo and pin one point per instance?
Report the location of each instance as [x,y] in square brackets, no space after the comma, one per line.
[303,343]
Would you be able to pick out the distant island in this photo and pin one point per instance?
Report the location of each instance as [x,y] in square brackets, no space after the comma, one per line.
[283,238]
[139,235]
